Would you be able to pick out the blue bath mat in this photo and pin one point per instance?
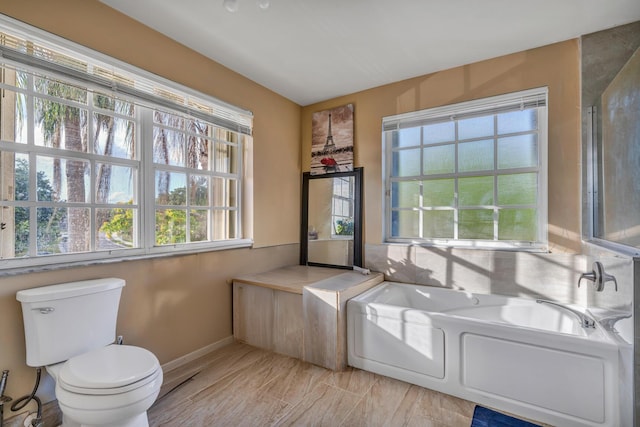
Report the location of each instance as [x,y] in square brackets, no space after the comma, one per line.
[483,417]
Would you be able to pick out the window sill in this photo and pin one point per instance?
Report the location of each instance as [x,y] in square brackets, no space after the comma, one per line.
[618,249]
[13,267]
[489,246]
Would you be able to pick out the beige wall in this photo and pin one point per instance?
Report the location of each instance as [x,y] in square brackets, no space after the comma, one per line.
[556,66]
[176,305]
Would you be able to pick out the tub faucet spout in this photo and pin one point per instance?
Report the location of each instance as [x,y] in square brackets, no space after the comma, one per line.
[585,321]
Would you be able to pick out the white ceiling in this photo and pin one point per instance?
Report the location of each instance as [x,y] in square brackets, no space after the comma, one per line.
[313,50]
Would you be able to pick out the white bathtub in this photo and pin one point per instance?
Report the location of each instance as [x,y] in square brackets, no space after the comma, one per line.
[534,360]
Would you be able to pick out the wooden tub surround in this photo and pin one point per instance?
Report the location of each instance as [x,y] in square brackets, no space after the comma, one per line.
[298,311]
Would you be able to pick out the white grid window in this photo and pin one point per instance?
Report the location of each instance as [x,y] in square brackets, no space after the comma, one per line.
[470,174]
[90,173]
[342,207]
[196,177]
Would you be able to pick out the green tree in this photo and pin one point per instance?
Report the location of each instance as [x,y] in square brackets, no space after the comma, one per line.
[120,225]
[48,219]
[171,224]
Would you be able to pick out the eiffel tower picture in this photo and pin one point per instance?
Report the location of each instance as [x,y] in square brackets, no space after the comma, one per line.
[329,144]
[332,140]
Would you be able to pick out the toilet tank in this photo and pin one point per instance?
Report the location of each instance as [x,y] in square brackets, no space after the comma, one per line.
[64,320]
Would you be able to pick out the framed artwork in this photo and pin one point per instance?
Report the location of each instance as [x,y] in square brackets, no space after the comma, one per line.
[332,140]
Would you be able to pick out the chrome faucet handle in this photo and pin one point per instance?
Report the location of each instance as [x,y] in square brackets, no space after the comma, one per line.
[594,276]
[589,276]
[609,278]
[598,277]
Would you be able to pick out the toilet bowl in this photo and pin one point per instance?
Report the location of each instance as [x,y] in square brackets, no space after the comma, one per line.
[70,330]
[108,386]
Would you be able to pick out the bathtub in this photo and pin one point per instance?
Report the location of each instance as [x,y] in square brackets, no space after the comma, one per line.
[532,359]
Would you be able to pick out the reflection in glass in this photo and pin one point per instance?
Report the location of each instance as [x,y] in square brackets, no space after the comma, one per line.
[331,220]
[342,207]
[331,232]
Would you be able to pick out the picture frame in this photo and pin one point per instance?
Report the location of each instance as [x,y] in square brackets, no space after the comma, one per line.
[332,140]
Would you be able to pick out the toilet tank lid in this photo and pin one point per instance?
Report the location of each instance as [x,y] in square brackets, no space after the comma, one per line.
[69,290]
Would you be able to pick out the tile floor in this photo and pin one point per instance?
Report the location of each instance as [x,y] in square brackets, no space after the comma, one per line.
[240,385]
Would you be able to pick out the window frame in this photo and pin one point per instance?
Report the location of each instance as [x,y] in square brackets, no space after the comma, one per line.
[143,186]
[339,198]
[480,107]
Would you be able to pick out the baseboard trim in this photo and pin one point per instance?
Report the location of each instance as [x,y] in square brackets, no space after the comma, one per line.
[183,360]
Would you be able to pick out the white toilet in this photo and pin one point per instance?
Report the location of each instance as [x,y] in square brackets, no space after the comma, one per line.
[70,329]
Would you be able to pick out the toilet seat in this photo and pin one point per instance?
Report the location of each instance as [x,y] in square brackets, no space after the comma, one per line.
[109,370]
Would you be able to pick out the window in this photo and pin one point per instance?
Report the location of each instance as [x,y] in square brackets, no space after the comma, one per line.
[469,174]
[101,162]
[196,174]
[342,207]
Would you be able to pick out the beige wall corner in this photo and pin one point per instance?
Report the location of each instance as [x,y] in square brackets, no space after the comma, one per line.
[556,66]
[173,305]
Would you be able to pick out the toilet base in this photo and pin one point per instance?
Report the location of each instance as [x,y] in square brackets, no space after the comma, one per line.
[139,420]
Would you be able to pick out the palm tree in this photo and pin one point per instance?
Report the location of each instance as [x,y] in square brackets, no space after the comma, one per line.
[168,145]
[106,123]
[63,122]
